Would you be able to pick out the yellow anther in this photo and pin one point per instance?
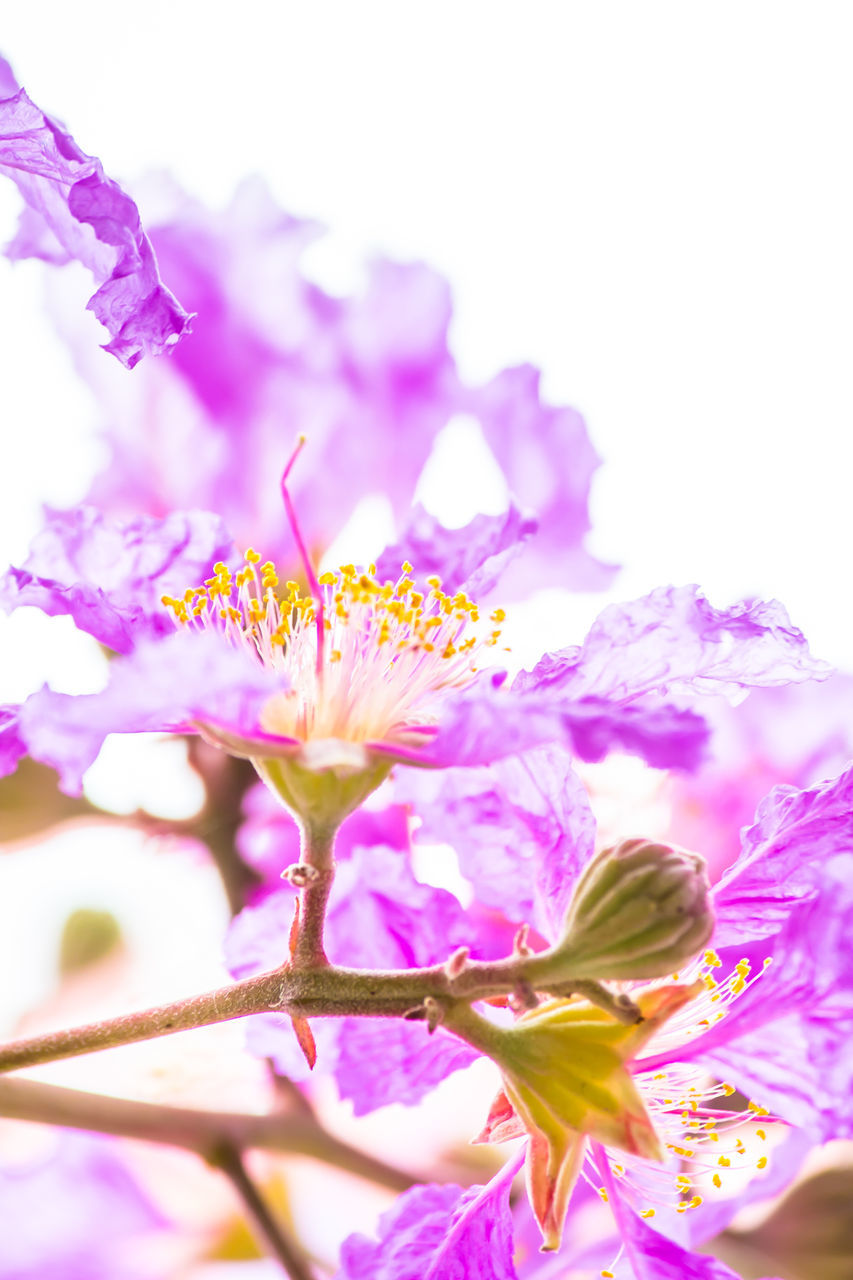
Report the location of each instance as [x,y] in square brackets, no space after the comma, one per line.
[695,1202]
[717,1180]
[743,967]
[405,567]
[327,579]
[759,1111]
[647,1213]
[432,581]
[251,555]
[724,1162]
[729,1089]
[608,1275]
[499,615]
[762,1163]
[760,1133]
[713,959]
[602,1191]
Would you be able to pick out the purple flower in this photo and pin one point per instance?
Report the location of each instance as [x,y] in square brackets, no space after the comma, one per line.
[75,1213]
[75,212]
[361,672]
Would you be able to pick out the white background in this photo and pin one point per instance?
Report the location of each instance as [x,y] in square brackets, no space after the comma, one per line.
[652,201]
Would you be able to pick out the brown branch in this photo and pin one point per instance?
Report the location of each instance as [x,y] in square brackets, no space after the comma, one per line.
[203,1132]
[324,991]
[277,1240]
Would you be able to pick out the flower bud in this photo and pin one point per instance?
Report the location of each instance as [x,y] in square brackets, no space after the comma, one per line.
[640,910]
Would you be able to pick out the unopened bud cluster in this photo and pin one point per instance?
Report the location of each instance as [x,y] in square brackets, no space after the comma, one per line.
[640,910]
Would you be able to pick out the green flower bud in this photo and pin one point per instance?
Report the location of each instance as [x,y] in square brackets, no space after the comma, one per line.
[640,910]
[88,936]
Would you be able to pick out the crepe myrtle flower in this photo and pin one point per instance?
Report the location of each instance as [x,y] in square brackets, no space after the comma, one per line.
[325,688]
[74,212]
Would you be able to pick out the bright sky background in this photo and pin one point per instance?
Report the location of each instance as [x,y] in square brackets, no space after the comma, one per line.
[651,201]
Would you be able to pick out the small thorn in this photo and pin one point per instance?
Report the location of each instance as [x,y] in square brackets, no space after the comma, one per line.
[434,1014]
[457,962]
[299,874]
[418,1014]
[519,942]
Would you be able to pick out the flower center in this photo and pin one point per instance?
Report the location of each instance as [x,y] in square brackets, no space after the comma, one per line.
[362,660]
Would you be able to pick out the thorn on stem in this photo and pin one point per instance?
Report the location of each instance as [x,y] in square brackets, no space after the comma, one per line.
[457,962]
[519,942]
[434,1013]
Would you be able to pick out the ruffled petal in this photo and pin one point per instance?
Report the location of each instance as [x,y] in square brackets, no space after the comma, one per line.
[522,830]
[164,686]
[472,558]
[76,211]
[109,575]
[548,460]
[438,1233]
[487,723]
[673,643]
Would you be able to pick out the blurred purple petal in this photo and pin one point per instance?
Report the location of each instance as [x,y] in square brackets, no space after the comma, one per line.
[548,460]
[522,830]
[784,859]
[12,745]
[268,839]
[394,1062]
[470,559]
[75,1212]
[92,220]
[163,686]
[795,734]
[109,575]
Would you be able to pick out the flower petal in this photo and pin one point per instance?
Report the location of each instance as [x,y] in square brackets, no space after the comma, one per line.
[522,830]
[164,685]
[548,460]
[673,642]
[438,1233]
[109,575]
[471,558]
[73,205]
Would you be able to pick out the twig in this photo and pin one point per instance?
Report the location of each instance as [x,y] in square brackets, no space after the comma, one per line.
[273,1234]
[202,1132]
[322,991]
